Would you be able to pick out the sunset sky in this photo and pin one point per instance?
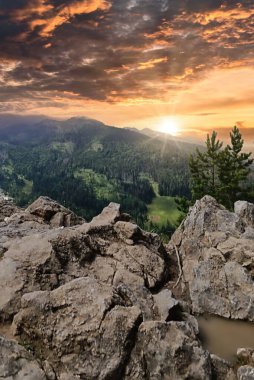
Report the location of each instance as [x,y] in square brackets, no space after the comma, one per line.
[135,63]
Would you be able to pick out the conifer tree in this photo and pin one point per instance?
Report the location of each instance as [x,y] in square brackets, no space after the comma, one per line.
[234,167]
[204,169]
[221,173]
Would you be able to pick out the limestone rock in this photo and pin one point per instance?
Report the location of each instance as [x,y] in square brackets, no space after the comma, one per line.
[138,259]
[18,269]
[42,215]
[166,305]
[41,262]
[92,300]
[217,260]
[246,356]
[109,215]
[52,257]
[7,207]
[245,211]
[221,369]
[245,373]
[84,328]
[17,364]
[168,351]
[53,213]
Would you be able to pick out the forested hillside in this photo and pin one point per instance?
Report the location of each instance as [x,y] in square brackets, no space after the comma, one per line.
[84,164]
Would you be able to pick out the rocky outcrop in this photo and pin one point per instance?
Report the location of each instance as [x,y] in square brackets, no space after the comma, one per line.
[53,257]
[42,215]
[92,300]
[78,295]
[53,213]
[216,248]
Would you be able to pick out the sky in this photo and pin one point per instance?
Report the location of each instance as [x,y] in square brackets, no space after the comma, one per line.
[131,63]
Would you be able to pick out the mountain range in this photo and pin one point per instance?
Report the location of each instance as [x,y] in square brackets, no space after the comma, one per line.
[84,164]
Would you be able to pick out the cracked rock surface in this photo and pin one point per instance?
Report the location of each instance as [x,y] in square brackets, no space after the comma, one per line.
[92,300]
[216,248]
[84,328]
[16,363]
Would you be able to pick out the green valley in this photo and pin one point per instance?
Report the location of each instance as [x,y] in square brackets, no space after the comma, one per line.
[85,164]
[163,210]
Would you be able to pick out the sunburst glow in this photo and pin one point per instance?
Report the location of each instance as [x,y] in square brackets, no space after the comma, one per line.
[169,126]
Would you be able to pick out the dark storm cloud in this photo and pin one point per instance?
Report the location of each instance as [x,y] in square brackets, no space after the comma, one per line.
[118,49]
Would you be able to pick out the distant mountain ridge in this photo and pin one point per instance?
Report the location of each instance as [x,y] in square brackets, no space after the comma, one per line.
[166,136]
[17,129]
[85,164]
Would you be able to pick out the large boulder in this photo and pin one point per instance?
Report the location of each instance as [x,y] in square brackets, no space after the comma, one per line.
[84,328]
[168,351]
[217,259]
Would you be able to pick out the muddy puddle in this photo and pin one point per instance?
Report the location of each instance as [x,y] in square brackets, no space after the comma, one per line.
[223,337]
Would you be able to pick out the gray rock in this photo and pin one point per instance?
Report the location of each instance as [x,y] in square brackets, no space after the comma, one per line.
[7,207]
[246,356]
[53,213]
[217,260]
[127,230]
[17,364]
[166,305]
[249,233]
[41,262]
[245,211]
[48,259]
[91,300]
[222,369]
[83,328]
[109,215]
[138,259]
[245,373]
[168,351]
[18,269]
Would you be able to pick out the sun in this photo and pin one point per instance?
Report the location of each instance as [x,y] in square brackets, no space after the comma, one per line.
[169,126]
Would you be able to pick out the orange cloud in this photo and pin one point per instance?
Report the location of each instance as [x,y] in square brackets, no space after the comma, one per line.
[222,24]
[38,7]
[123,69]
[49,24]
[165,30]
[223,14]
[151,63]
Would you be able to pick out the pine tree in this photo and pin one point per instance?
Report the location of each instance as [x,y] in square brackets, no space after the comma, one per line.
[204,169]
[221,173]
[234,167]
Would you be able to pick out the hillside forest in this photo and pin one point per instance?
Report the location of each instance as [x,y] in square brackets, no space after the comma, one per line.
[84,165]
